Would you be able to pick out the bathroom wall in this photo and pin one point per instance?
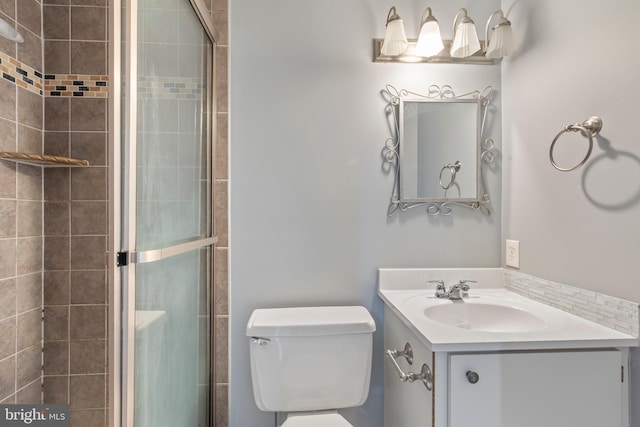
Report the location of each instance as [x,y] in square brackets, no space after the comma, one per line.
[220,16]
[579,228]
[21,121]
[308,190]
[54,227]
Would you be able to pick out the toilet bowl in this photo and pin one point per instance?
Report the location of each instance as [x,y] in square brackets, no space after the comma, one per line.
[309,362]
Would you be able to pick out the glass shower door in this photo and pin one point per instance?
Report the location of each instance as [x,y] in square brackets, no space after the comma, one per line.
[167,216]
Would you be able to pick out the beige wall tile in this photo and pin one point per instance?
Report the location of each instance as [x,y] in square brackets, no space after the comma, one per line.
[91,146]
[56,218]
[7,258]
[7,377]
[8,210]
[30,139]
[88,217]
[87,253]
[56,287]
[32,393]
[88,287]
[29,292]
[29,329]
[29,15]
[56,357]
[29,182]
[56,253]
[56,323]
[88,114]
[28,365]
[57,57]
[56,22]
[7,337]
[29,109]
[29,218]
[7,299]
[30,51]
[87,357]
[57,113]
[7,100]
[55,389]
[88,23]
[57,143]
[29,255]
[87,391]
[87,322]
[89,58]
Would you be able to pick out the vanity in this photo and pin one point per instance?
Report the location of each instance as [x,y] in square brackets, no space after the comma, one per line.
[489,357]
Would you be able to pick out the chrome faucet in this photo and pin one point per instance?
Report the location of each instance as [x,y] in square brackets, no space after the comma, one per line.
[455,292]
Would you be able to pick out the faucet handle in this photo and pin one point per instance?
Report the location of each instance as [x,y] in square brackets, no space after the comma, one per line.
[439,284]
[464,283]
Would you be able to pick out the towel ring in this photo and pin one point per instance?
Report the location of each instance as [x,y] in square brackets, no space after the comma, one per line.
[589,128]
[453,169]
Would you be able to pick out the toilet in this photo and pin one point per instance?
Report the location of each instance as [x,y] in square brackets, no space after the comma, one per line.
[308,362]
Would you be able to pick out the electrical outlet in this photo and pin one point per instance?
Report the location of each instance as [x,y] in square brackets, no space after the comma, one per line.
[512,253]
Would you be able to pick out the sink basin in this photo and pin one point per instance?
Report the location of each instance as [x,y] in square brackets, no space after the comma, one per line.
[486,317]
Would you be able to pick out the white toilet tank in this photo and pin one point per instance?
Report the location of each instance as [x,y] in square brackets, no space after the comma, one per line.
[310,358]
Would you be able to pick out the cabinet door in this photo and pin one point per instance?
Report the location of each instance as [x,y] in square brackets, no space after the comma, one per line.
[405,404]
[534,389]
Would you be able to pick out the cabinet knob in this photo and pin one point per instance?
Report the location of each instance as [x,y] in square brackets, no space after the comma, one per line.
[473,377]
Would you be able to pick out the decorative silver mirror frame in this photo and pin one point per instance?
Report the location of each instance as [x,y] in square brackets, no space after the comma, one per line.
[391,151]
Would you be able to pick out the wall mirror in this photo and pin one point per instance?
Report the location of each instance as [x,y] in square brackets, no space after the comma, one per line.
[437,149]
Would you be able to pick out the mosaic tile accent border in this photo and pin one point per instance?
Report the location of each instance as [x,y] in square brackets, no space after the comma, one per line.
[170,87]
[612,312]
[76,85]
[20,74]
[60,85]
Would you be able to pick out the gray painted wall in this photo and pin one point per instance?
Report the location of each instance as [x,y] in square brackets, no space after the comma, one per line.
[308,194]
[580,228]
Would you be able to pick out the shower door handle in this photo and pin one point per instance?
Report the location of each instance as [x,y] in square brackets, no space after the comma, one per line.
[152,255]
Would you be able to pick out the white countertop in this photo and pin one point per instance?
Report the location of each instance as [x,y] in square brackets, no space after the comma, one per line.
[561,330]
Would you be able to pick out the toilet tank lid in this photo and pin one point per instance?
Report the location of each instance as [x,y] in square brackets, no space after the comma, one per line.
[309,321]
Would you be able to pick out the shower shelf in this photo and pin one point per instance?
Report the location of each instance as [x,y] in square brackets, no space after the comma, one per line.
[42,160]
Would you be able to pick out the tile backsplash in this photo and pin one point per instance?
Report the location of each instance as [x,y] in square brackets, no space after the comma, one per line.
[612,312]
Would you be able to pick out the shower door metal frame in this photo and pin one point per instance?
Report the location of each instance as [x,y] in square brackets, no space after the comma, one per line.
[121,276]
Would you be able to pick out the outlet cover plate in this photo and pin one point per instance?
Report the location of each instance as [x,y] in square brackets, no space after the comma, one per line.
[512,253]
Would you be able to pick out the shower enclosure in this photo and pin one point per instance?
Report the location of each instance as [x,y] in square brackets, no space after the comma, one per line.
[162,228]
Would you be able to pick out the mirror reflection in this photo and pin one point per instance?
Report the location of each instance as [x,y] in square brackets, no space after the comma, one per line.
[438,149]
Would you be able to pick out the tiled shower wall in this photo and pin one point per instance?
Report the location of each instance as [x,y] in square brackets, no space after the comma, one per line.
[20,210]
[75,205]
[54,223]
[219,10]
[73,216]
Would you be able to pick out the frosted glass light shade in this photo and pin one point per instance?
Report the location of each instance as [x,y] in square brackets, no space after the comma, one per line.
[429,40]
[502,43]
[8,32]
[466,41]
[395,39]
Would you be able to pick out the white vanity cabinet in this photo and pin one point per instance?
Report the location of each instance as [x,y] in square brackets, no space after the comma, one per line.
[405,404]
[534,389]
[563,388]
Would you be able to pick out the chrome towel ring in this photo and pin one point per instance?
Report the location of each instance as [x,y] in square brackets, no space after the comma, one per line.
[589,128]
[453,170]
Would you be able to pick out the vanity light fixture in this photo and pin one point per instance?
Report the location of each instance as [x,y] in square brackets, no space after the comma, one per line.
[501,43]
[8,32]
[395,38]
[429,40]
[465,37]
[465,48]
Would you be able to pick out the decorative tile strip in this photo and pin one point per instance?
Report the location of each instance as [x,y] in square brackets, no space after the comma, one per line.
[14,71]
[170,87]
[612,312]
[94,86]
[20,74]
